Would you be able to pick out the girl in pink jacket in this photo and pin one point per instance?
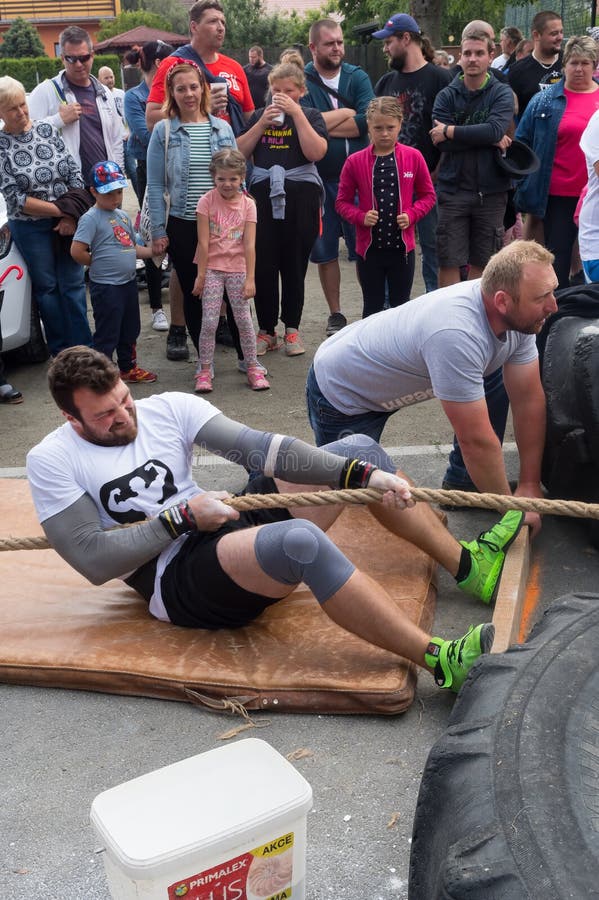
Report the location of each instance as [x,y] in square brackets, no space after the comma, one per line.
[394,191]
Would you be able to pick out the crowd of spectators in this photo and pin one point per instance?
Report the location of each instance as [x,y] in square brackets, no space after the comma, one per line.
[326,161]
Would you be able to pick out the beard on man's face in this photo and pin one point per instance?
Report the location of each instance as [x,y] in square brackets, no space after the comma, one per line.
[398,62]
[329,64]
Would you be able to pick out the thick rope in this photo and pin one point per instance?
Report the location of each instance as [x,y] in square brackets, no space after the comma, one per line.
[499,502]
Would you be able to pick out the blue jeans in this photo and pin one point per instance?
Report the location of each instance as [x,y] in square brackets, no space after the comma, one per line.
[58,283]
[591,270]
[427,236]
[130,166]
[326,247]
[328,424]
[497,404]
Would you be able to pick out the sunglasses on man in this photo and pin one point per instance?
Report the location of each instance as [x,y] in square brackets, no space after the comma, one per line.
[78,59]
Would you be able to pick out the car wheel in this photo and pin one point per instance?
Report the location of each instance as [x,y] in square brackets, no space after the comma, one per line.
[509,801]
[36,350]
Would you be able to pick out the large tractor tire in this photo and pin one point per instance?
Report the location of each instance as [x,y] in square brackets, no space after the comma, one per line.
[509,802]
[571,383]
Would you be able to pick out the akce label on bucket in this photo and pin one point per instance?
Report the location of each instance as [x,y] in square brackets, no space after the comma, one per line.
[265,873]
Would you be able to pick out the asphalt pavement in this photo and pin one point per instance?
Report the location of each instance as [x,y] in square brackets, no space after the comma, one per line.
[61,748]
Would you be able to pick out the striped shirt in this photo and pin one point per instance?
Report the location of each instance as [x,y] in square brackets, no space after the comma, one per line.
[200,179]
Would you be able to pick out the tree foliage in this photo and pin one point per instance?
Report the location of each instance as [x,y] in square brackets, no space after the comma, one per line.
[361,12]
[248,22]
[21,40]
[457,13]
[298,26]
[437,18]
[175,13]
[128,20]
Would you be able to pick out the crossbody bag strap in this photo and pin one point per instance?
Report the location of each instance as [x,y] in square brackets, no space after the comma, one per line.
[316,79]
[59,90]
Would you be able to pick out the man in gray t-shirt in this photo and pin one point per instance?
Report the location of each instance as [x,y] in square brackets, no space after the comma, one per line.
[442,345]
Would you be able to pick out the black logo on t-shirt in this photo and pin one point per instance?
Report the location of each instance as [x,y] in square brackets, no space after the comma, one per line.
[152,483]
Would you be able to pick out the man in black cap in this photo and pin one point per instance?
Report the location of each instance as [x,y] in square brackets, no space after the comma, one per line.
[415,81]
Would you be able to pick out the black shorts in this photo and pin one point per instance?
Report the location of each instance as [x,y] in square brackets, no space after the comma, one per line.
[197,593]
[470,228]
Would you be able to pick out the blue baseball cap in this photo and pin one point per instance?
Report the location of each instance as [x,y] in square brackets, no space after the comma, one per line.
[398,22]
[107,176]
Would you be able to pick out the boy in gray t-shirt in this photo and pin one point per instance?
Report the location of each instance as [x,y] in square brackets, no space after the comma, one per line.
[105,241]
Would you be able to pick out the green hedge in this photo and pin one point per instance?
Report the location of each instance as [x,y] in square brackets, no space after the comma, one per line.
[31,71]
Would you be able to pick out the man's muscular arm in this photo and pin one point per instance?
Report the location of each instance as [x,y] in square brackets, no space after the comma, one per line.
[479,445]
[276,455]
[527,399]
[77,535]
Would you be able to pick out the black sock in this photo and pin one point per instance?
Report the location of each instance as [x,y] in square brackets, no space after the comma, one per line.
[465,565]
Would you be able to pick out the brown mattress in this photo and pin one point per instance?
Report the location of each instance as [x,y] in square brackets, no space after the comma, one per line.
[57,630]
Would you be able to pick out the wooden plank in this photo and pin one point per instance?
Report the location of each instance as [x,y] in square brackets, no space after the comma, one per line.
[511,594]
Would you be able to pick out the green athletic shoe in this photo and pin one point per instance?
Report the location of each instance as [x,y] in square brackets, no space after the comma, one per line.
[452,660]
[488,556]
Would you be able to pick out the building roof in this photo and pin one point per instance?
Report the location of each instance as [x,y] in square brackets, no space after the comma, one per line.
[141,35]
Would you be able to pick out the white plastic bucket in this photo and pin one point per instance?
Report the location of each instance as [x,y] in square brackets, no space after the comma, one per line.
[229,824]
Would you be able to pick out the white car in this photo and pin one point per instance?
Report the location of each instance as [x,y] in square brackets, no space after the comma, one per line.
[21,326]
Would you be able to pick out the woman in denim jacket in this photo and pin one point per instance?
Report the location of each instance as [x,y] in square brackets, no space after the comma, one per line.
[193,137]
[552,125]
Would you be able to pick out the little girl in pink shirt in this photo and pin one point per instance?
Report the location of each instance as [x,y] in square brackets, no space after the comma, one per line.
[226,258]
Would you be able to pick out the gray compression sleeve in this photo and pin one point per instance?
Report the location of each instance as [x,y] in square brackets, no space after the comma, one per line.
[274,454]
[77,535]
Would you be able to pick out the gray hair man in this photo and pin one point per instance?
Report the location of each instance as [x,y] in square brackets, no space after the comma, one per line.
[78,104]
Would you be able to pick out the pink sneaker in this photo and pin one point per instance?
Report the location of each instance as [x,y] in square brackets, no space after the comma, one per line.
[256,379]
[203,382]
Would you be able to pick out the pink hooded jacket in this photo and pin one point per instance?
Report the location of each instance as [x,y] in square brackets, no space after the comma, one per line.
[414,181]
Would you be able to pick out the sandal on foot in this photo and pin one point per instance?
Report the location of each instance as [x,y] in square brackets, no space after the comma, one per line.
[256,379]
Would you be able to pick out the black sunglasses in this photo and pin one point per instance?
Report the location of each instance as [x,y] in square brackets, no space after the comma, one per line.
[76,59]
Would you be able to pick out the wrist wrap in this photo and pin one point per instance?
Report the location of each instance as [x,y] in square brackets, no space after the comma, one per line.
[355,473]
[178,519]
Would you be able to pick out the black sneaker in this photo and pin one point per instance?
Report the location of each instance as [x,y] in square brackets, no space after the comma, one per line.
[176,343]
[223,334]
[335,323]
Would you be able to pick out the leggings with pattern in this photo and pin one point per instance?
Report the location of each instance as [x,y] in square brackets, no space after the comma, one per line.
[212,297]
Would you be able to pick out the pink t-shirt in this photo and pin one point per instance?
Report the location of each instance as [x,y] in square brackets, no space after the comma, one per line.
[227,224]
[569,173]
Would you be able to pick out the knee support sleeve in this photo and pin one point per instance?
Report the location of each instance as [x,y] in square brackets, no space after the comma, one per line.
[362,447]
[298,550]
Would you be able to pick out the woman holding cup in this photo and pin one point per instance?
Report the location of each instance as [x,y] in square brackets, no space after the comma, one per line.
[284,140]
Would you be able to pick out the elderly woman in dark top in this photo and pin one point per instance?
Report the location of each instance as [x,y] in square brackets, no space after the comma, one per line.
[37,170]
